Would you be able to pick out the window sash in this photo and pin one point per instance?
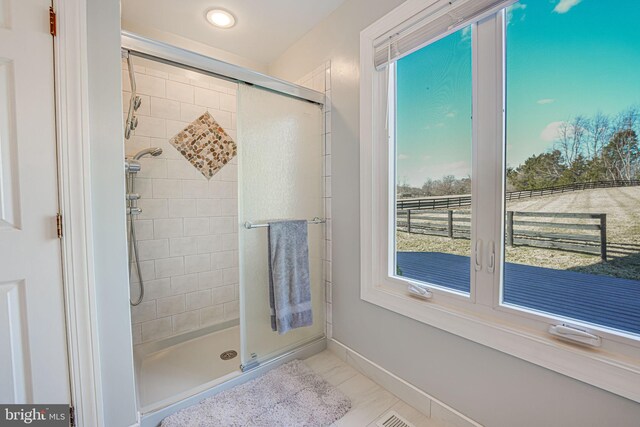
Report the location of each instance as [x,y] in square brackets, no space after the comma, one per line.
[390,258]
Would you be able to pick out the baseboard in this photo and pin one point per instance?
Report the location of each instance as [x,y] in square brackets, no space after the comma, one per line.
[438,411]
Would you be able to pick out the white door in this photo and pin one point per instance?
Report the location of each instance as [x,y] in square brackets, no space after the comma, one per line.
[33,356]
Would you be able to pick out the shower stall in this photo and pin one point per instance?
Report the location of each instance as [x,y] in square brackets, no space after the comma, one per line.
[198,222]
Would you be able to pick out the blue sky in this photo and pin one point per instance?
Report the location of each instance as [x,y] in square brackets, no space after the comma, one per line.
[564,58]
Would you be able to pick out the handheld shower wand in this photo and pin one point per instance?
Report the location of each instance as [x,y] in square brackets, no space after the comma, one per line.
[132,167]
[134,102]
[153,151]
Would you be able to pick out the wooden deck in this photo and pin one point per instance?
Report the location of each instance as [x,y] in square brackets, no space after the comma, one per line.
[602,300]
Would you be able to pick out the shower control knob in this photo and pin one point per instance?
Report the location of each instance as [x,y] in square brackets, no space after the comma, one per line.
[134,211]
[133,196]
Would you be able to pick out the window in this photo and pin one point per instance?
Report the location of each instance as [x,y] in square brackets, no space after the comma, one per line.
[572,163]
[433,134]
[500,168]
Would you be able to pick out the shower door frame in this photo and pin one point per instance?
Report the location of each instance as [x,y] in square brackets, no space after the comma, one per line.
[72,104]
[172,55]
[139,46]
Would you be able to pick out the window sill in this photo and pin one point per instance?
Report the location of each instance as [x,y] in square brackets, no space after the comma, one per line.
[596,367]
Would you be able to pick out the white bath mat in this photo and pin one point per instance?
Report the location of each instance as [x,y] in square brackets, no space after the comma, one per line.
[289,396]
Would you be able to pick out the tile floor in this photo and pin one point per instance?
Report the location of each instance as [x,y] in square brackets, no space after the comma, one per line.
[369,401]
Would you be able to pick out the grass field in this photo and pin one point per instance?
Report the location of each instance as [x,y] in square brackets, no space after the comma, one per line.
[622,206]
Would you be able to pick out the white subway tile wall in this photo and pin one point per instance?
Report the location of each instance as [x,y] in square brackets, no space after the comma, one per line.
[320,80]
[188,230]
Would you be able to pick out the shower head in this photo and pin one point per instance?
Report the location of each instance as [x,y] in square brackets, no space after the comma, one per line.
[153,151]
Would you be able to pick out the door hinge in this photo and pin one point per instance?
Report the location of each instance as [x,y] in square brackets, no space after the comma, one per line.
[53,25]
[59,225]
[72,417]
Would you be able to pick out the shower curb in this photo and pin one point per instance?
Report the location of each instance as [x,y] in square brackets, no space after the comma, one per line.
[153,419]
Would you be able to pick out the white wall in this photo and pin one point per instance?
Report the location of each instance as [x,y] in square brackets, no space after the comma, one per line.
[188,231]
[490,387]
[107,184]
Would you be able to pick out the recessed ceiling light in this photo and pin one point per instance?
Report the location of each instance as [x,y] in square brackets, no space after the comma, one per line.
[220,18]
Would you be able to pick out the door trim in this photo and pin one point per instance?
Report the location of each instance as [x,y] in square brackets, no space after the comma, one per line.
[71,82]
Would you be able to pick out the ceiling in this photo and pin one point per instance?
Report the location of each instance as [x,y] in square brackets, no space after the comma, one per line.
[264,28]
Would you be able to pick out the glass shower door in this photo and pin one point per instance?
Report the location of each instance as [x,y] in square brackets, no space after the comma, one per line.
[280,177]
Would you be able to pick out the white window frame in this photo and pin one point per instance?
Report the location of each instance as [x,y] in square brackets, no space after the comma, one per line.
[615,366]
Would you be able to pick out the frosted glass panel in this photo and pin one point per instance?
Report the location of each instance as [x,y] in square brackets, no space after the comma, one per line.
[280,158]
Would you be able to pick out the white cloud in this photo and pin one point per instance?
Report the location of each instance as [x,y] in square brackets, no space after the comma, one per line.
[544,101]
[402,157]
[465,35]
[565,6]
[513,8]
[451,114]
[458,169]
[551,132]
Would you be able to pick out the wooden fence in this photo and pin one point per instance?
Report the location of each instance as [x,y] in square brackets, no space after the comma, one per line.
[449,223]
[525,194]
[587,233]
[443,202]
[536,229]
[459,201]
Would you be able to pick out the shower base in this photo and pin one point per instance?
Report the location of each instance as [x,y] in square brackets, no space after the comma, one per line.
[172,371]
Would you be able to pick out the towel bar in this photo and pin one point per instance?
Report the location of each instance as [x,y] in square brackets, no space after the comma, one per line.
[249,225]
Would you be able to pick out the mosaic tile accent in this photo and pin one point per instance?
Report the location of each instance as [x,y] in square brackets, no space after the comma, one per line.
[205,144]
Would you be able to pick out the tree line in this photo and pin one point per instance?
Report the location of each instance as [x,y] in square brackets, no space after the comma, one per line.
[598,148]
[446,186]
